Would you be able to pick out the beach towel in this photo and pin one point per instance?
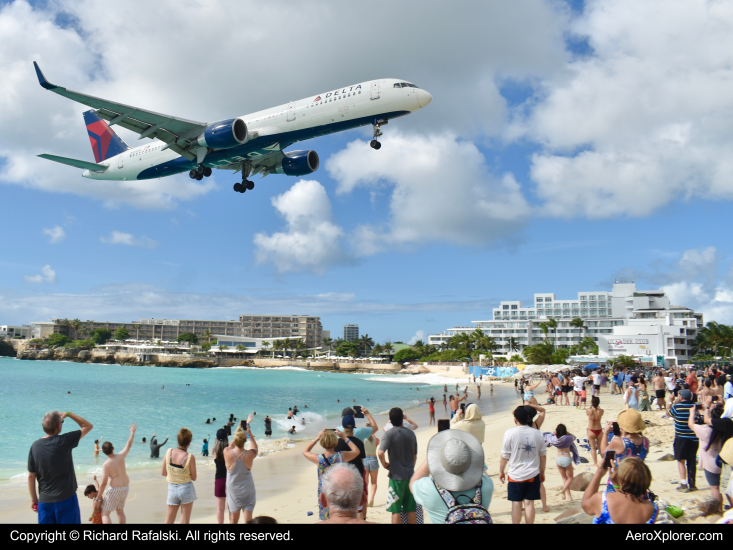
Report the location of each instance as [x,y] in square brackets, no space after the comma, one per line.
[563,442]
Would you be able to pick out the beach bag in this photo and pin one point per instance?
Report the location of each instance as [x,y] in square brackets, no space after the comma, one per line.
[463,514]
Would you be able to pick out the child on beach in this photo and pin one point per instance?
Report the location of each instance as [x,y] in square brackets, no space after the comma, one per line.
[205,446]
[583,394]
[91,492]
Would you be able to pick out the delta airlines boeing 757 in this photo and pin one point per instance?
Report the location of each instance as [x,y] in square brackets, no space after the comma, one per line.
[250,144]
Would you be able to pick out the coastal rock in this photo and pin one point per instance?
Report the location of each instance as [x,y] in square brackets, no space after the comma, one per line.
[576,519]
[666,458]
[581,481]
[84,355]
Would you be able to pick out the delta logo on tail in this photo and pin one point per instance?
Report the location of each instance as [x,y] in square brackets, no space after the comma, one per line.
[105,143]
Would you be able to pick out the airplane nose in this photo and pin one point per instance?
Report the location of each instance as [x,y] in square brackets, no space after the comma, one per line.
[423,98]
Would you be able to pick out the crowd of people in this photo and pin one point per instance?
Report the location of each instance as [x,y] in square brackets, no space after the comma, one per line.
[453,484]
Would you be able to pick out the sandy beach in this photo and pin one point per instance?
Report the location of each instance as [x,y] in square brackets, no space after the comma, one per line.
[287,484]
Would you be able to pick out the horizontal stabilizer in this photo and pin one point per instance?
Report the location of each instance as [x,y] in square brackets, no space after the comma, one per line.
[76,163]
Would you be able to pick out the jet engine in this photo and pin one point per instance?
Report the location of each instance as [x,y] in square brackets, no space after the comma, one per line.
[224,134]
[298,163]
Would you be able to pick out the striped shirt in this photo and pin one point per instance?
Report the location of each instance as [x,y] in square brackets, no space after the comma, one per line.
[681,413]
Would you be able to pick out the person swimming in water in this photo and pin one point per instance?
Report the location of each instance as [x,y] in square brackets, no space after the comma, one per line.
[96,445]
[291,430]
[208,421]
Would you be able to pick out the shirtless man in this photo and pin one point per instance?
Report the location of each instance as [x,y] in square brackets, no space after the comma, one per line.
[114,472]
[659,391]
[454,404]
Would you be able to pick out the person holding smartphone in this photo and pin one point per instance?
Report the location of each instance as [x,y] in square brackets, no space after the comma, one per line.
[625,438]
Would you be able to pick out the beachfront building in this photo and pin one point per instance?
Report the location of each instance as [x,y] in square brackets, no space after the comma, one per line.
[351,333]
[14,331]
[295,327]
[607,316]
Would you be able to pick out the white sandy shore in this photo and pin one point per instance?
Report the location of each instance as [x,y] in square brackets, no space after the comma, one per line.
[287,484]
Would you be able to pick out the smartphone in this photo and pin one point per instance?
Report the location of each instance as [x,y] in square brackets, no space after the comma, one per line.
[610,456]
[357,412]
[616,430]
[330,429]
[243,425]
[715,398]
[443,424]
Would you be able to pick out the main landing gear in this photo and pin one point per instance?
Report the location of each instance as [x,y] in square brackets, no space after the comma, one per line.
[200,173]
[246,184]
[374,144]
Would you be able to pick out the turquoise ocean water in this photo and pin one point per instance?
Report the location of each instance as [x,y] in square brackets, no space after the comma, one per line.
[114,396]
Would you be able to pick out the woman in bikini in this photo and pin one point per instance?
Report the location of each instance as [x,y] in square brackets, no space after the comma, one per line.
[563,442]
[594,427]
[431,406]
[529,398]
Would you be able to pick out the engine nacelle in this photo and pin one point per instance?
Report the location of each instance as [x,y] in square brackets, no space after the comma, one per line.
[224,134]
[298,163]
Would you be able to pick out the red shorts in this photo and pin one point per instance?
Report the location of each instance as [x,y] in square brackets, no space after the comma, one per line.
[220,487]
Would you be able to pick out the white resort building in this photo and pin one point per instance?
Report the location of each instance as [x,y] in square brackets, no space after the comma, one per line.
[625,321]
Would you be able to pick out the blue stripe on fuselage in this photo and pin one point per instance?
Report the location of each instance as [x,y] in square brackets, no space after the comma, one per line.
[285,139]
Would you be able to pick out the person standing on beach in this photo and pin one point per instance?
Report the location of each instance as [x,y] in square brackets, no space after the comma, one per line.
[686,443]
[431,407]
[114,471]
[595,414]
[240,489]
[401,444]
[525,451]
[596,382]
[454,401]
[220,476]
[658,382]
[342,495]
[50,463]
[154,447]
[445,403]
[179,468]
[268,426]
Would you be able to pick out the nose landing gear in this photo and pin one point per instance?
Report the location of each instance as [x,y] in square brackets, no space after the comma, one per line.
[374,144]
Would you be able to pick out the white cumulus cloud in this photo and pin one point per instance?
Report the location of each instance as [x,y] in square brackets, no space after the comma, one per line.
[419,335]
[311,240]
[56,234]
[47,275]
[127,239]
[441,191]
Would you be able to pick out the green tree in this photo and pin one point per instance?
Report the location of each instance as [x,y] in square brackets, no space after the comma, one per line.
[406,355]
[265,345]
[206,335]
[57,340]
[545,328]
[299,346]
[75,325]
[377,350]
[137,331]
[624,361]
[559,357]
[346,348]
[516,359]
[100,336]
[387,348]
[327,342]
[540,353]
[552,323]
[223,347]
[239,347]
[513,344]
[189,337]
[578,323]
[287,345]
[365,344]
[121,334]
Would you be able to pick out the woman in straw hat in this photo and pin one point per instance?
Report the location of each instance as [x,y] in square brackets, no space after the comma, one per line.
[631,442]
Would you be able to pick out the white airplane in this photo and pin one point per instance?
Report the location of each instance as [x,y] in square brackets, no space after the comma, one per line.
[250,144]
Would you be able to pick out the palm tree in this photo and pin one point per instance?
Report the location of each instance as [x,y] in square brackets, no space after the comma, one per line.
[327,344]
[578,323]
[277,345]
[75,325]
[513,344]
[266,345]
[366,343]
[299,345]
[207,334]
[476,337]
[387,348]
[545,328]
[83,330]
[239,347]
[552,323]
[287,344]
[540,354]
[377,350]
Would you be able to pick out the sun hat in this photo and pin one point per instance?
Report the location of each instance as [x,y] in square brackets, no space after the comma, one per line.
[631,421]
[455,460]
[726,453]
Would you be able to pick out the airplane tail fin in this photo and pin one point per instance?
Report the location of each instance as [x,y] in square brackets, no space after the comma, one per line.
[105,143]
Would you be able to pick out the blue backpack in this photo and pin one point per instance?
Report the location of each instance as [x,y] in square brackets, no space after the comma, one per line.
[463,514]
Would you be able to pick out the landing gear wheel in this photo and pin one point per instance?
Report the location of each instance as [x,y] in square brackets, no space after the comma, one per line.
[198,176]
[249,185]
[200,170]
[192,174]
[378,146]
[375,144]
[207,171]
[239,188]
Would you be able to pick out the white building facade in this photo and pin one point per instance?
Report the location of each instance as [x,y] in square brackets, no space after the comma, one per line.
[14,331]
[624,312]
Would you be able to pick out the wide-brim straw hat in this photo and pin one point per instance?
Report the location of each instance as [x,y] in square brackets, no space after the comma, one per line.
[455,460]
[631,421]
[726,453]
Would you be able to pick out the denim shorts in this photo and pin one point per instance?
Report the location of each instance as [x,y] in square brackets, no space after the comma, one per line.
[183,493]
[371,463]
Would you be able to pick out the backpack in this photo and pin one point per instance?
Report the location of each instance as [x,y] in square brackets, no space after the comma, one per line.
[471,513]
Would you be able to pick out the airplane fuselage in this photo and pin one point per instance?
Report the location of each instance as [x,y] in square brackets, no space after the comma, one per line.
[272,130]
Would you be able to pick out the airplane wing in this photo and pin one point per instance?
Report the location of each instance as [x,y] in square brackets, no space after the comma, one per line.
[76,163]
[264,164]
[177,133]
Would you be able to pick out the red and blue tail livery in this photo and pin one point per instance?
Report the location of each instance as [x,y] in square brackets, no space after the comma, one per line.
[105,143]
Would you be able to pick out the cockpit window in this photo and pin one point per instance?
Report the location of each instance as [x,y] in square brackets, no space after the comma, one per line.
[397,85]
[408,85]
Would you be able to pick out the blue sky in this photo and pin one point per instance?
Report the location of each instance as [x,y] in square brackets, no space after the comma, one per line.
[548,163]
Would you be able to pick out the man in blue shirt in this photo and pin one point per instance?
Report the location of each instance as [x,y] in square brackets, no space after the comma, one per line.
[686,442]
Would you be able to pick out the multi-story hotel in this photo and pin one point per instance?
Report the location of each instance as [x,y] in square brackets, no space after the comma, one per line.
[623,312]
[294,327]
[351,333]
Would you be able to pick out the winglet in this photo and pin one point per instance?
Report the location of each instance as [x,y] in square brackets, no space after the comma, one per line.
[42,79]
